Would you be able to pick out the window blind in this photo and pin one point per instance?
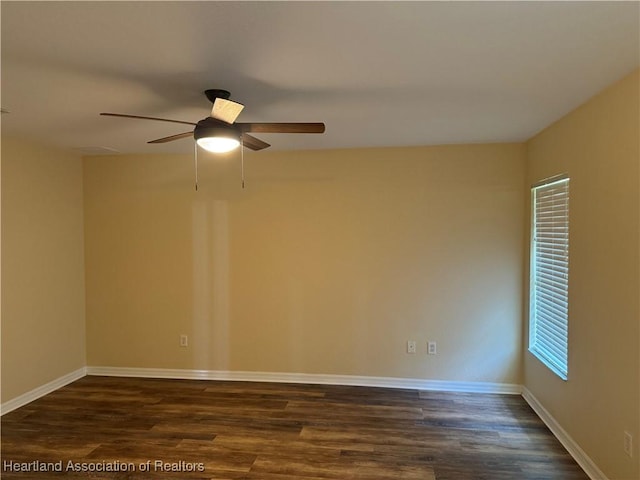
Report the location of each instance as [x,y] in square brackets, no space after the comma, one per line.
[549,308]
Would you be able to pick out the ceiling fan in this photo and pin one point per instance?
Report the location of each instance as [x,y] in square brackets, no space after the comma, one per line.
[220,133]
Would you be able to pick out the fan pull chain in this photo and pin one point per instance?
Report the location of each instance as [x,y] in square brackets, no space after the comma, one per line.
[195,159]
[242,159]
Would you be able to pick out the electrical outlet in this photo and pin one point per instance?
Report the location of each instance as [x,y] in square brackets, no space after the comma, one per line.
[432,348]
[628,444]
[184,341]
[411,346]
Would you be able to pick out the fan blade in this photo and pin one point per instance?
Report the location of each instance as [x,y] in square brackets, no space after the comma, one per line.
[282,127]
[226,110]
[172,138]
[253,143]
[146,118]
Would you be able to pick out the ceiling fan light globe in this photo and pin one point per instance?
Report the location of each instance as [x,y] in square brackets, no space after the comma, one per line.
[218,144]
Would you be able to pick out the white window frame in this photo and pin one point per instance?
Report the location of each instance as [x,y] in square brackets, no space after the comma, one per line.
[549,282]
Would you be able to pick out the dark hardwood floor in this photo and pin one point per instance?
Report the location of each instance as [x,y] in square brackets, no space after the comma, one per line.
[184,429]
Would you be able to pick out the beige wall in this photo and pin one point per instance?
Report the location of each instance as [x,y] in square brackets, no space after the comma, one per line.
[328,262]
[43,309]
[598,146]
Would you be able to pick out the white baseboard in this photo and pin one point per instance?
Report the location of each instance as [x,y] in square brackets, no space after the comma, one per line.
[312,378]
[579,455]
[42,390]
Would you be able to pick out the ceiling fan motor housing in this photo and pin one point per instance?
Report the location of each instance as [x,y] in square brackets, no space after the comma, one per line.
[210,127]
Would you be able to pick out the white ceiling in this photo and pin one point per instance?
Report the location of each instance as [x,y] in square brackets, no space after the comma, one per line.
[377,73]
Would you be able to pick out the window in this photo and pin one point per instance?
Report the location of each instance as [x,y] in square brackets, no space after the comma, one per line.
[549,305]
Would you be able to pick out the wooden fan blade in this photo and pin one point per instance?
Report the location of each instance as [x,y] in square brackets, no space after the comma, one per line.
[282,127]
[146,118]
[172,138]
[226,110]
[253,143]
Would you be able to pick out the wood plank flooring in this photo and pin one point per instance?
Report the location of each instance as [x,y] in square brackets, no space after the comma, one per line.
[199,429]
